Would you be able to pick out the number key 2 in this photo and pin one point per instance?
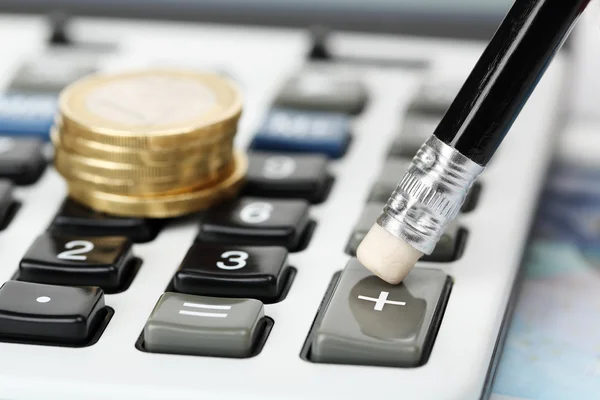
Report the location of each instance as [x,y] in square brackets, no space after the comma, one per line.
[233,271]
[69,260]
[257,222]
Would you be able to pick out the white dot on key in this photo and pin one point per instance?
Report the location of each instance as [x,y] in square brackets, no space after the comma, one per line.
[43,299]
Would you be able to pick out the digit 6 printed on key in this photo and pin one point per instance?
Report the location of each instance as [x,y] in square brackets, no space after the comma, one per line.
[279,167]
[255,213]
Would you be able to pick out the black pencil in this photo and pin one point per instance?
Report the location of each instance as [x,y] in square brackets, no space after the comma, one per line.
[432,191]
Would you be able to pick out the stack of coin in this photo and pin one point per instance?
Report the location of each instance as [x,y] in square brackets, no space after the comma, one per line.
[152,143]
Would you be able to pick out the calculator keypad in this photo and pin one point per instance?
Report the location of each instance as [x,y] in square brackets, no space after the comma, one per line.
[21,159]
[233,271]
[370,322]
[71,260]
[205,326]
[257,221]
[214,303]
[50,314]
[289,130]
[280,175]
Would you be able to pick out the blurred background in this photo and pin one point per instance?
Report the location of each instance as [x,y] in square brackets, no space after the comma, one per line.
[456,18]
[468,20]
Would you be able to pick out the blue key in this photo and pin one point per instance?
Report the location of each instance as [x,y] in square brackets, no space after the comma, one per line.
[304,132]
[27,114]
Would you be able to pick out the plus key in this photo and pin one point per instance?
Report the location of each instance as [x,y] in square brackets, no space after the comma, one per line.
[370,322]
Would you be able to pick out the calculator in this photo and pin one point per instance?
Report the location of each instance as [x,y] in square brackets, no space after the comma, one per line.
[260,297]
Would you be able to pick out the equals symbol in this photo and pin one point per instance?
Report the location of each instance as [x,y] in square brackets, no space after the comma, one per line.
[205,307]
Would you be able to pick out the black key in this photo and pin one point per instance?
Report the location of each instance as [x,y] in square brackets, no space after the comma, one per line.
[6,201]
[47,313]
[411,136]
[472,198]
[435,96]
[72,260]
[386,183]
[257,222]
[76,219]
[322,89]
[50,73]
[233,271]
[21,160]
[288,176]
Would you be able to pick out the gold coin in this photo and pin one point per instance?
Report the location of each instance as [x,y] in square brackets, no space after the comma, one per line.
[191,151]
[140,188]
[151,109]
[182,173]
[167,206]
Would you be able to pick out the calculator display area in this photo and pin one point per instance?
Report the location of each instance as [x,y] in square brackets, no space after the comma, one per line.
[453,18]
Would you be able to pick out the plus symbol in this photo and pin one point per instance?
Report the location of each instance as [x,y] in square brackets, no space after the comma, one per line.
[382,301]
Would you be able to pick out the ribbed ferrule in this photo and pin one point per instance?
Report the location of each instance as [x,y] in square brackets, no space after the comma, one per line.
[429,195]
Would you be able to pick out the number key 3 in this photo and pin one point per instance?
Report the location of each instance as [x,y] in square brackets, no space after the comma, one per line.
[234,271]
[104,261]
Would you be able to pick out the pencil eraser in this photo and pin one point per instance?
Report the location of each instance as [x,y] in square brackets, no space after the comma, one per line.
[387,256]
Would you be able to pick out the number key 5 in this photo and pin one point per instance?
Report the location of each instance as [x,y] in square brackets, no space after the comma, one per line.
[106,262]
[233,271]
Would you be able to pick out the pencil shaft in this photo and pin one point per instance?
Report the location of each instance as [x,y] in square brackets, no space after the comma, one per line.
[506,74]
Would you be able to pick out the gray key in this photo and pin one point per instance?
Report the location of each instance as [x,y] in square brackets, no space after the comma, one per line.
[393,170]
[434,97]
[413,133]
[198,325]
[446,249]
[370,322]
[316,89]
[49,74]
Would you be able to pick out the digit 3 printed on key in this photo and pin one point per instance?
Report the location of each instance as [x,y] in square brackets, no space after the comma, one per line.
[239,257]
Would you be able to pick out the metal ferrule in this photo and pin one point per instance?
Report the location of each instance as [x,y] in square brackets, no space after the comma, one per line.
[430,195]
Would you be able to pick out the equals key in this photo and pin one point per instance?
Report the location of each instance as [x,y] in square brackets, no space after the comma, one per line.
[205,326]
